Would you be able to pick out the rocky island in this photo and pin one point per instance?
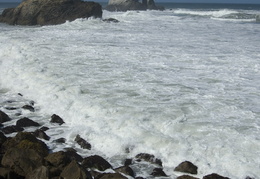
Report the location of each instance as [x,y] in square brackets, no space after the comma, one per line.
[124,5]
[46,12]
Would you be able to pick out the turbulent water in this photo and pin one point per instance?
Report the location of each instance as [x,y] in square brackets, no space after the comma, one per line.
[182,84]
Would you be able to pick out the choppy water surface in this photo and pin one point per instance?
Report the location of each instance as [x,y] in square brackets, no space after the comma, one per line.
[181,84]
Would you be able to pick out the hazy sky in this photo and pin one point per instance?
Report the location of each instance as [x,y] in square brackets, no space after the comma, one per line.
[194,1]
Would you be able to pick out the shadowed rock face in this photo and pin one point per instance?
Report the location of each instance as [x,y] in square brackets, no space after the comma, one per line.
[124,5]
[50,12]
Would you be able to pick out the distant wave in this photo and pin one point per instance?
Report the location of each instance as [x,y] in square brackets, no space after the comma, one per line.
[223,14]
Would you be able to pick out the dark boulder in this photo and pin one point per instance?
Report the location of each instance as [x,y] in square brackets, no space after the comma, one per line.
[56,119]
[96,162]
[41,172]
[186,177]
[214,176]
[7,173]
[29,107]
[112,176]
[3,138]
[187,167]
[46,12]
[148,158]
[26,122]
[128,162]
[60,140]
[11,129]
[158,172]
[75,171]
[58,159]
[82,142]
[22,161]
[26,141]
[44,128]
[4,117]
[41,134]
[125,170]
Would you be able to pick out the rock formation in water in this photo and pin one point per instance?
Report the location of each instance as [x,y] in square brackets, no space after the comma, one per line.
[50,12]
[124,5]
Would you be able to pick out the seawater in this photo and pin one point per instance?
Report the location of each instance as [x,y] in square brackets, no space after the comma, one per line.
[182,84]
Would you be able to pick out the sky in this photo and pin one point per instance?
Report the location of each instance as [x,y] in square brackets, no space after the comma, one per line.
[193,1]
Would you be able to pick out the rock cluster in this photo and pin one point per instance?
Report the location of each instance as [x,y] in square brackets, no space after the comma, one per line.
[46,12]
[27,156]
[124,5]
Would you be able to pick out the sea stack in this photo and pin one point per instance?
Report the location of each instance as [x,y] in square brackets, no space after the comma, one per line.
[125,5]
[46,12]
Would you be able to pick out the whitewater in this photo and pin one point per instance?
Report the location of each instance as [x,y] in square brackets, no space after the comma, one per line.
[180,84]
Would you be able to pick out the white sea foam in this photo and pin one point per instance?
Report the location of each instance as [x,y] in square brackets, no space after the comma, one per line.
[181,89]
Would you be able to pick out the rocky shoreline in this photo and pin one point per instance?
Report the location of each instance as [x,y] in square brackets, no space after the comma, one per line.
[27,155]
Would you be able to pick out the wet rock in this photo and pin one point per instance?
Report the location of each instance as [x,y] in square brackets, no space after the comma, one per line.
[7,173]
[58,159]
[26,140]
[46,12]
[75,171]
[186,177]
[111,20]
[126,170]
[29,107]
[158,172]
[11,108]
[112,176]
[214,176]
[4,117]
[83,143]
[3,138]
[128,162]
[60,140]
[148,158]
[44,128]
[56,119]
[26,122]
[41,172]
[21,160]
[41,134]
[187,167]
[73,155]
[96,162]
[12,129]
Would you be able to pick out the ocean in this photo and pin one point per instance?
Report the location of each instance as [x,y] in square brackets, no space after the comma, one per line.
[181,84]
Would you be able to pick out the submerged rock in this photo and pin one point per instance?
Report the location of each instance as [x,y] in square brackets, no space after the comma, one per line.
[26,122]
[125,5]
[96,162]
[46,12]
[148,158]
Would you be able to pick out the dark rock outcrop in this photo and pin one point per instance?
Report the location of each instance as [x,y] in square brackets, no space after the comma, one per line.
[29,107]
[82,142]
[57,119]
[214,176]
[125,5]
[112,176]
[12,129]
[186,177]
[4,117]
[158,172]
[148,158]
[187,167]
[26,122]
[46,12]
[75,171]
[41,134]
[126,170]
[96,162]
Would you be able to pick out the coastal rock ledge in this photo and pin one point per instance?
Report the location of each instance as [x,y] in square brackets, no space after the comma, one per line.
[125,5]
[50,12]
